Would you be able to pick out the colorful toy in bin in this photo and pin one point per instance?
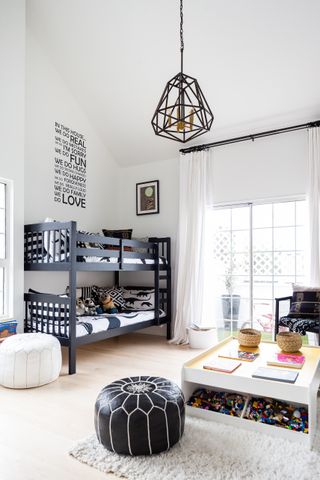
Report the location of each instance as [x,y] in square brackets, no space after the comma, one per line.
[277,413]
[8,328]
[223,402]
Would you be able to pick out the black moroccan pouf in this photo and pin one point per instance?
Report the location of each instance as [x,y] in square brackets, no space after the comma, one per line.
[139,415]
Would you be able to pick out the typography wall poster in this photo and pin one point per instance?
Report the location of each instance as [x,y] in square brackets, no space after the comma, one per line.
[70,167]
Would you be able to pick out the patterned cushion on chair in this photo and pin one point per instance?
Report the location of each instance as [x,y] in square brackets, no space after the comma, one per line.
[301,325]
[305,302]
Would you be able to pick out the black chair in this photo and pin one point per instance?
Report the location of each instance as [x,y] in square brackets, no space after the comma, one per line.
[297,324]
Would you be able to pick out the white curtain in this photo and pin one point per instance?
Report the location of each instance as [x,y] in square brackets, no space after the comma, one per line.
[195,195]
[313,202]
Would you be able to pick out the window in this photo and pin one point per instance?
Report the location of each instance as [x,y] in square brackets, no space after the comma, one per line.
[5,250]
[258,252]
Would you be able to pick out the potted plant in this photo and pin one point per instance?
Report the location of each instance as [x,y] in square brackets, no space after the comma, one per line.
[230,302]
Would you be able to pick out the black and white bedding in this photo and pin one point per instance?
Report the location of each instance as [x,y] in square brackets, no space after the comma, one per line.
[87,325]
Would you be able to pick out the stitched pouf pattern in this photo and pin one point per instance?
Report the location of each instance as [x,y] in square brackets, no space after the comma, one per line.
[140,415]
[29,360]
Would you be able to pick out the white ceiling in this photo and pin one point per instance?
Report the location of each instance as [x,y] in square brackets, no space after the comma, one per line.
[257,62]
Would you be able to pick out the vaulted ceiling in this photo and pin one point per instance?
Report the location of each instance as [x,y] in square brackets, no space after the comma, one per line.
[257,61]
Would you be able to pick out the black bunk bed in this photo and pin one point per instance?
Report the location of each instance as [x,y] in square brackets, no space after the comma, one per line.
[59,246]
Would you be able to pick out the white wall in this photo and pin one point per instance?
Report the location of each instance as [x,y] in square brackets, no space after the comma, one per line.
[163,224]
[48,100]
[12,90]
[269,167]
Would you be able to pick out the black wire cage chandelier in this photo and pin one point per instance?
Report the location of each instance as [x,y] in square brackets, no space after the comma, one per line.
[183,112]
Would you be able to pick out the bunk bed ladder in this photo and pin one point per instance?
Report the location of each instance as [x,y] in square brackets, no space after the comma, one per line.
[164,251]
[168,281]
[156,283]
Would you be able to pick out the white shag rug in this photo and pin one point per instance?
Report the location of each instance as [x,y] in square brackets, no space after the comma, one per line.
[210,451]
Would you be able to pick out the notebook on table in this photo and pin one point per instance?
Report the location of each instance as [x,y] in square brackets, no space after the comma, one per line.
[236,354]
[279,375]
[221,365]
[287,360]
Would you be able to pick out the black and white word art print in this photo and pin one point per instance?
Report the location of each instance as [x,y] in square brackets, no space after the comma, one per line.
[70,166]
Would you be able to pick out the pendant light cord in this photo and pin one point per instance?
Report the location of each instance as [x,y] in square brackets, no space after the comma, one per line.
[181,34]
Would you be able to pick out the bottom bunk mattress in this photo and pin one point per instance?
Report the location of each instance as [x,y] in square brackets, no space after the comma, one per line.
[87,325]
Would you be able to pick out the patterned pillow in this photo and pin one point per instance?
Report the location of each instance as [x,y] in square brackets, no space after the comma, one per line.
[115,294]
[305,302]
[138,299]
[122,234]
[125,234]
[81,292]
[140,249]
[89,244]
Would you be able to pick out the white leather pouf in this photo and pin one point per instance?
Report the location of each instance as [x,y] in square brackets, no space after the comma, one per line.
[29,360]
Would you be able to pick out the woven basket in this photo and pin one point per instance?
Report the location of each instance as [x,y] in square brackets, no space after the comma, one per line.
[289,342]
[249,337]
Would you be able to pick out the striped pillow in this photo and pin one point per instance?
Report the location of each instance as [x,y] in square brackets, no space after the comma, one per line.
[89,244]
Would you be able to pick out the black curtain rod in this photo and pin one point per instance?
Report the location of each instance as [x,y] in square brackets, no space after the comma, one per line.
[205,146]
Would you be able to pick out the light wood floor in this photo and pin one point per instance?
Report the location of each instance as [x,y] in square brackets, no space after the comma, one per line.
[38,426]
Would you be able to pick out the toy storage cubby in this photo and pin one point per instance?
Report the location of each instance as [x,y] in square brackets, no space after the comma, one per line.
[303,391]
[232,419]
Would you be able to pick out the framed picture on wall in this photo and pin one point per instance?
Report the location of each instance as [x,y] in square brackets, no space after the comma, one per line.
[147,197]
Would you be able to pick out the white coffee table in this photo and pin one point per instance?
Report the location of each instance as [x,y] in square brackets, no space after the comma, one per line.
[301,393]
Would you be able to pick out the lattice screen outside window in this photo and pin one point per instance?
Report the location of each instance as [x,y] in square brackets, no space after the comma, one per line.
[258,253]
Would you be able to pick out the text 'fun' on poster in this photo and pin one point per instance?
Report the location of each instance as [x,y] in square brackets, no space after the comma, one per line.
[70,167]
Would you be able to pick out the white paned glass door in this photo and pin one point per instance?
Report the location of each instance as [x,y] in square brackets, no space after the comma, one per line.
[258,253]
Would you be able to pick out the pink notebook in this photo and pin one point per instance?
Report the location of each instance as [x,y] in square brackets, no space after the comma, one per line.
[292,360]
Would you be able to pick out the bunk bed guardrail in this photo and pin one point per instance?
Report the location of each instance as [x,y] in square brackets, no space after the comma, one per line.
[51,243]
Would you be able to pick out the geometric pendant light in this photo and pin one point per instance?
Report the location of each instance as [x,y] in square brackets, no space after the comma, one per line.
[182,112]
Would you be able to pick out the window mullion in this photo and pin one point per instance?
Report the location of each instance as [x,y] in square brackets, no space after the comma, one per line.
[251,264]
[295,242]
[272,263]
[231,271]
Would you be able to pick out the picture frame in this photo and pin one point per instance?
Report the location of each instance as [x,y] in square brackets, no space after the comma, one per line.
[147,198]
